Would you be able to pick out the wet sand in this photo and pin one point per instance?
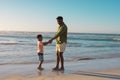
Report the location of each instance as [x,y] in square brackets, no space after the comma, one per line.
[75,70]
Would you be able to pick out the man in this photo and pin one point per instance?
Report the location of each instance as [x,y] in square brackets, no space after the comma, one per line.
[61,40]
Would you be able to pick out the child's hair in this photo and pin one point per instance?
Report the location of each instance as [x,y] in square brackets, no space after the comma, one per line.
[39,36]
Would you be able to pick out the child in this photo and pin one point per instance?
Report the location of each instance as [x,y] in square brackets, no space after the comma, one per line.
[40,50]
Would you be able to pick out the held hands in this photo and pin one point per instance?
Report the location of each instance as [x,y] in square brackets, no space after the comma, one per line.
[50,41]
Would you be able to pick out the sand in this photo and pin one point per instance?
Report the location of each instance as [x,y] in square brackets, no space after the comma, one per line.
[83,75]
[25,73]
[82,70]
[60,77]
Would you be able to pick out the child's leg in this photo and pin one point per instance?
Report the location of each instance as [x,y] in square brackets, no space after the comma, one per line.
[41,59]
[40,64]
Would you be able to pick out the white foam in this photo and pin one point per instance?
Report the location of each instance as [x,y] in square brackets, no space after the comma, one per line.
[116,39]
[8,42]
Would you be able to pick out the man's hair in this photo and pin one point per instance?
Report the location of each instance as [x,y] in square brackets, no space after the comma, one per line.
[38,36]
[60,17]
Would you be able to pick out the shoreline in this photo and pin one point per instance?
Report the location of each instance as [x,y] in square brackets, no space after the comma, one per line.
[78,70]
[48,74]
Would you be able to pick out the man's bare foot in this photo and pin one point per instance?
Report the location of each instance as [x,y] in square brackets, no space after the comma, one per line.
[55,69]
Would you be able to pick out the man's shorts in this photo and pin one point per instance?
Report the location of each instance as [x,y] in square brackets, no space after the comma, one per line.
[61,47]
[41,57]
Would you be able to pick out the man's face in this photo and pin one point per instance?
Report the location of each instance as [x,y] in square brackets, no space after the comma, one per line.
[59,21]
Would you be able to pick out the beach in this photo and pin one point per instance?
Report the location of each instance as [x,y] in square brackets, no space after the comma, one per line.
[80,37]
[56,77]
[87,57]
[80,70]
[29,72]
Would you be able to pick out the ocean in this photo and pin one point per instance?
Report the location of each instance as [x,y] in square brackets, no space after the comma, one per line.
[21,47]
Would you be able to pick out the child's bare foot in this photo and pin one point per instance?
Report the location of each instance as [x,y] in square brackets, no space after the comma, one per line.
[61,69]
[40,69]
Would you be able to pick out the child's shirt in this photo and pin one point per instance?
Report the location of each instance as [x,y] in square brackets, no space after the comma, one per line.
[40,47]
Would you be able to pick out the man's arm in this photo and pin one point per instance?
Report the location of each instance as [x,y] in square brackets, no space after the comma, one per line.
[61,30]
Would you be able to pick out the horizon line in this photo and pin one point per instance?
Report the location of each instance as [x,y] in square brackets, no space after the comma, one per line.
[54,32]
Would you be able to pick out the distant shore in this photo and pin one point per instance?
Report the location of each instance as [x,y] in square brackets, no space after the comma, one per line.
[54,32]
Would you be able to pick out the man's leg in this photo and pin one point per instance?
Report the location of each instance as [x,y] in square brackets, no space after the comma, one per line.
[62,61]
[57,61]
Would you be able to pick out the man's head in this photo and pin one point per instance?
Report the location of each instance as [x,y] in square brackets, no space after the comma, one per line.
[39,37]
[60,20]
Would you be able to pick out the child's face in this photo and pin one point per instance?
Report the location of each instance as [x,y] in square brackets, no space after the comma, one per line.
[40,38]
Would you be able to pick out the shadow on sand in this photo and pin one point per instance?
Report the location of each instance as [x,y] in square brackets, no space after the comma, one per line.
[102,75]
[40,73]
[84,73]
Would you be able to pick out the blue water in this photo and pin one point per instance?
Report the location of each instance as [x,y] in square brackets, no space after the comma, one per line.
[21,47]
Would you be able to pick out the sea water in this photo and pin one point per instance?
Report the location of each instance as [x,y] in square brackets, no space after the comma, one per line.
[21,47]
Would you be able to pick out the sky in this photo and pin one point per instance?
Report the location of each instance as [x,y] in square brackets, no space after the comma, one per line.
[83,16]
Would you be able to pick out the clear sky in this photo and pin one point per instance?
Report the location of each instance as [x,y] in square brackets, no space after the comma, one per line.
[91,16]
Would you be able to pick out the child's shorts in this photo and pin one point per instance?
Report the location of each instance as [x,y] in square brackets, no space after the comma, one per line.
[41,57]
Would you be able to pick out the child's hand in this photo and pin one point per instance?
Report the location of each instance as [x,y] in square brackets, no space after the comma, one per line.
[50,41]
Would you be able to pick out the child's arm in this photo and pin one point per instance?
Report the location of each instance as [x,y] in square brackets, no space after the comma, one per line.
[46,43]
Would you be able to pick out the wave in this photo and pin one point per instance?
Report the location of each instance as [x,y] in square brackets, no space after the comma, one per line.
[8,42]
[99,39]
[116,39]
[20,42]
[93,39]
[75,58]
[71,36]
[105,56]
[102,46]
[32,62]
[69,44]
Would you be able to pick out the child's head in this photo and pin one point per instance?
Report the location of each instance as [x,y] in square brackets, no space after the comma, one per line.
[39,37]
